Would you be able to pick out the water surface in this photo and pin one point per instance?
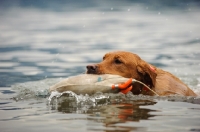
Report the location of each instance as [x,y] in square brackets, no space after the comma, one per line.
[42,42]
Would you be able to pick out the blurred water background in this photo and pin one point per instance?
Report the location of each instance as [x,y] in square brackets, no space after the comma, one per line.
[43,41]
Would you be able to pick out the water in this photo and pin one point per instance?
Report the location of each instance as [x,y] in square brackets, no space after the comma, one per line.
[42,42]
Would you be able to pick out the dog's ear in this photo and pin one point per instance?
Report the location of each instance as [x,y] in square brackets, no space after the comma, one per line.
[148,72]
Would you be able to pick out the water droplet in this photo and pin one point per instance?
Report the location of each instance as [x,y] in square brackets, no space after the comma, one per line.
[159,13]
[129,9]
[147,7]
[111,9]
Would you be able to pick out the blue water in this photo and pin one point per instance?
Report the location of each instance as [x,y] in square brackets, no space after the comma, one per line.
[44,41]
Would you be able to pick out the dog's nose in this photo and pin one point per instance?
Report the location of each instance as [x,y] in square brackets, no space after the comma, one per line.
[91,69]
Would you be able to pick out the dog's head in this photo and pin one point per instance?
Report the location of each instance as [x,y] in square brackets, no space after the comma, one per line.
[125,64]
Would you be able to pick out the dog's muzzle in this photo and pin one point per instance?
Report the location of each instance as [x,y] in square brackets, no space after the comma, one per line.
[91,69]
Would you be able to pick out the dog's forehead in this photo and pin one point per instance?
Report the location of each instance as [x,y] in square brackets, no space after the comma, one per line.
[121,54]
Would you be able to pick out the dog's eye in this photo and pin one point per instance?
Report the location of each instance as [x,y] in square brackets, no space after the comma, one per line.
[117,61]
[104,57]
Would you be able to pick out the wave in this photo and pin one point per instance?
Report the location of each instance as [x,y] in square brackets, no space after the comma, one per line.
[40,90]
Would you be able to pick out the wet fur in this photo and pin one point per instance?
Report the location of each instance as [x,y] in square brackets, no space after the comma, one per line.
[130,65]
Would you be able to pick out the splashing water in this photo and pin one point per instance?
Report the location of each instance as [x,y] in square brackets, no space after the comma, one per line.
[57,100]
[40,89]
[33,89]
